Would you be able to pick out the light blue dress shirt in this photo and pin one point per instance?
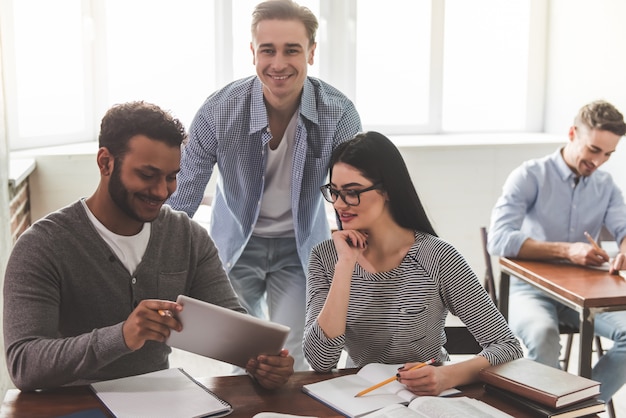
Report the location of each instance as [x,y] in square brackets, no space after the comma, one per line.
[540,200]
[231,130]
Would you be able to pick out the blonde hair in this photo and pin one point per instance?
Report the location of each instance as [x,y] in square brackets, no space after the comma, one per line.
[285,10]
[601,115]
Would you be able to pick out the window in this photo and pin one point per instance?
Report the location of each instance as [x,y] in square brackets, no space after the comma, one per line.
[410,66]
[47,72]
[160,51]
[488,41]
[395,58]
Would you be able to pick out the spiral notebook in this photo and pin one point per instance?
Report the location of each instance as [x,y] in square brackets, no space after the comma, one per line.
[164,393]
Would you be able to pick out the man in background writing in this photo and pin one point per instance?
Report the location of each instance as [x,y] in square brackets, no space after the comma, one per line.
[271,136]
[546,207]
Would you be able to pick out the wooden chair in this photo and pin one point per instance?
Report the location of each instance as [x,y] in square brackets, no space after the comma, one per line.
[564,329]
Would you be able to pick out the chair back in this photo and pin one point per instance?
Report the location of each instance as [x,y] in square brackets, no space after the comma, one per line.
[460,340]
[490,282]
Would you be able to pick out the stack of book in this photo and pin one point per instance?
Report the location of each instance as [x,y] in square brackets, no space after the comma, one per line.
[542,390]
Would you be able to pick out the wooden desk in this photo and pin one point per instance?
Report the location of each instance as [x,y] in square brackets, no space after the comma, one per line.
[586,290]
[246,398]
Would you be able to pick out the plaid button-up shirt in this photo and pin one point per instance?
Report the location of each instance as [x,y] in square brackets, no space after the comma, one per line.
[231,130]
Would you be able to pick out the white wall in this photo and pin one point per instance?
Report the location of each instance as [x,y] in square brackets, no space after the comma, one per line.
[457,184]
[586,60]
[5,230]
[61,179]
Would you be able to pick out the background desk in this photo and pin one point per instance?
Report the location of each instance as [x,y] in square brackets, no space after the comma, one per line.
[588,291]
[246,398]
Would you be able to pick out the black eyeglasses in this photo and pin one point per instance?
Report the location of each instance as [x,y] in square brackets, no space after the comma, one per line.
[350,197]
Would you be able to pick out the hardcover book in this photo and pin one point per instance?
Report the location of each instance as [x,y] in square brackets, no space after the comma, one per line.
[578,409]
[546,385]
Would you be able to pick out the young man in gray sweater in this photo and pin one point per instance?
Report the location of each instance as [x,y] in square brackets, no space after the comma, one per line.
[84,285]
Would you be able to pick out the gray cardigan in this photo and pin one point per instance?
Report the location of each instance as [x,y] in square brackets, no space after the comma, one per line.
[66,296]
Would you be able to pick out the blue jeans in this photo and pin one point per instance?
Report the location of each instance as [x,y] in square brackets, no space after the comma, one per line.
[534,318]
[268,277]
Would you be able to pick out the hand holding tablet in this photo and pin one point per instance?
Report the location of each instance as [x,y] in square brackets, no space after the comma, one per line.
[224,334]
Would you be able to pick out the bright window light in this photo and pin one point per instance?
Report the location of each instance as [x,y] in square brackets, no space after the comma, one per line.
[49,70]
[392,62]
[160,51]
[410,66]
[485,65]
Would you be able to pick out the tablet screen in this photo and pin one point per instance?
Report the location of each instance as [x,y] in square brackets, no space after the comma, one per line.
[223,334]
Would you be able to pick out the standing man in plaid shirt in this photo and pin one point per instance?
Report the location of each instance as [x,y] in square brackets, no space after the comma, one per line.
[271,136]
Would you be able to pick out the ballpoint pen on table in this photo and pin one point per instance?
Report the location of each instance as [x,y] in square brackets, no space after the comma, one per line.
[391,379]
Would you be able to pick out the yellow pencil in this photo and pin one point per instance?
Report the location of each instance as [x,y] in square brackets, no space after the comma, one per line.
[597,248]
[391,379]
[592,241]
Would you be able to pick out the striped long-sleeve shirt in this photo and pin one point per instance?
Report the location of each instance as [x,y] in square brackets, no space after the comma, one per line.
[398,316]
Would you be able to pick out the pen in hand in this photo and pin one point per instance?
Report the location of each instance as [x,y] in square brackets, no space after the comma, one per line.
[391,379]
[597,248]
[164,312]
[592,241]
[594,244]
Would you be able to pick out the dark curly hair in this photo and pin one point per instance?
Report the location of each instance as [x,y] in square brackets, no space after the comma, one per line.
[123,121]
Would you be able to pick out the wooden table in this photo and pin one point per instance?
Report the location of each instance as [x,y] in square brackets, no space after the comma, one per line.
[246,397]
[586,290]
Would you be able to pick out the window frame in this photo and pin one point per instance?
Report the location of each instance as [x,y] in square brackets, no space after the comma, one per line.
[9,75]
[336,36]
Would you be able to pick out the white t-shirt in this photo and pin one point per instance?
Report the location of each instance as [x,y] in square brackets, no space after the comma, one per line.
[275,217]
[129,249]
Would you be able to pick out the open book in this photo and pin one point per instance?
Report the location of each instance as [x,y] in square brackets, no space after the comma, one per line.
[434,407]
[164,393]
[338,393]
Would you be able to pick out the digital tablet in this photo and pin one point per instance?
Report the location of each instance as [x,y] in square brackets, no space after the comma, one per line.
[223,334]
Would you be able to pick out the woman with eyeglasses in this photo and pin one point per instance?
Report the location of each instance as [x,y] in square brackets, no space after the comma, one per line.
[382,287]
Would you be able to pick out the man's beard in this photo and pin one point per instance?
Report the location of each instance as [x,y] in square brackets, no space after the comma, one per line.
[119,193]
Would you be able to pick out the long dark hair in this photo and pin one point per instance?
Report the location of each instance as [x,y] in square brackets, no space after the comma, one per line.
[378,159]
